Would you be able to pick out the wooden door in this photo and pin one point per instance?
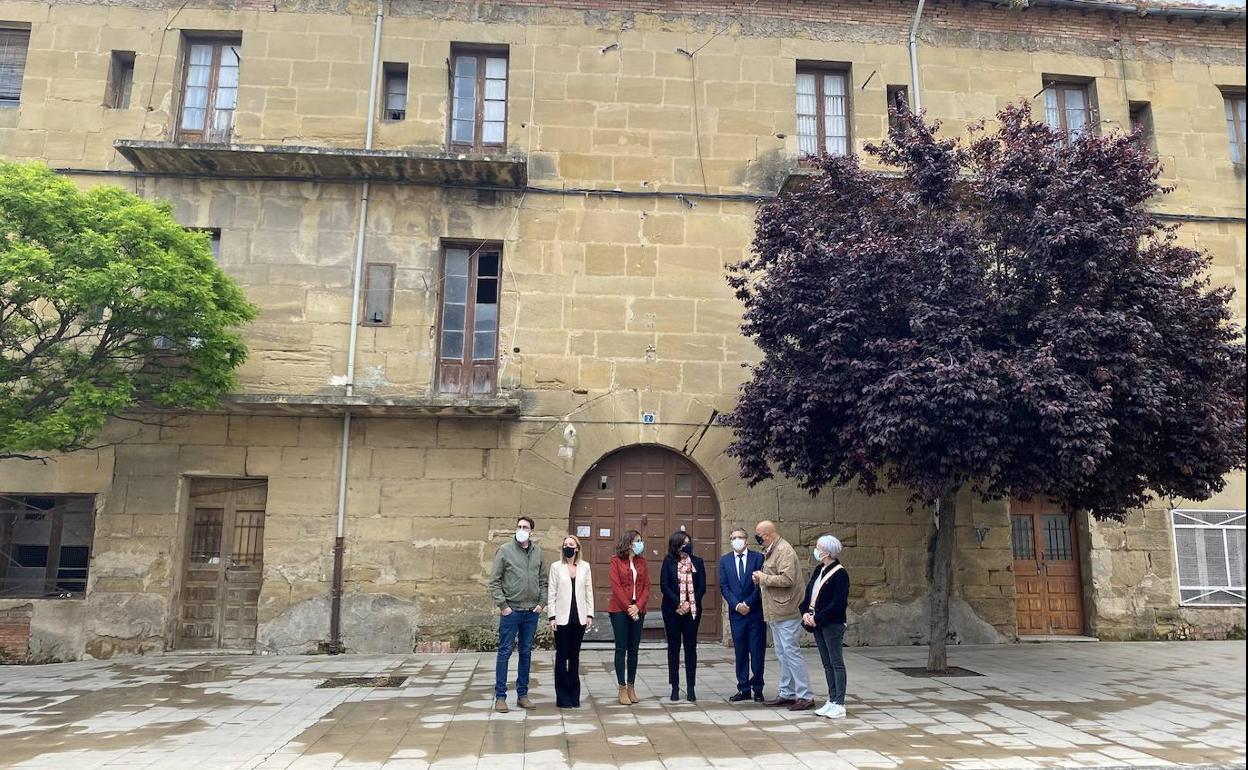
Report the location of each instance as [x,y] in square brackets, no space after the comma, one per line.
[224,564]
[1049,592]
[656,492]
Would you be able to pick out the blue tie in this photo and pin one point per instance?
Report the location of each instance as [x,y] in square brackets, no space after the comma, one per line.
[741,568]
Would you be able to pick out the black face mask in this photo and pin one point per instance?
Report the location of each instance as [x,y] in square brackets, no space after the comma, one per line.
[758,539]
[568,552]
[686,548]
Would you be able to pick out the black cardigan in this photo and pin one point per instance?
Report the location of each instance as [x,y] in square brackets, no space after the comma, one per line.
[669,581]
[833,599]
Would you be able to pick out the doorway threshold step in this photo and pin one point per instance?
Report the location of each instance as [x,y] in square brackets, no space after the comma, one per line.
[1055,638]
[212,652]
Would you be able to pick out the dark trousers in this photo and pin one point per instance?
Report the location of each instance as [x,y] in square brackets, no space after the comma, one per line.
[749,644]
[568,664]
[627,643]
[682,631]
[831,639]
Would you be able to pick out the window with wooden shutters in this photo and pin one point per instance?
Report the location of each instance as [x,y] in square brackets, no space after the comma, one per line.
[1235,120]
[1069,107]
[45,544]
[468,325]
[1209,554]
[209,90]
[822,111]
[13,46]
[478,99]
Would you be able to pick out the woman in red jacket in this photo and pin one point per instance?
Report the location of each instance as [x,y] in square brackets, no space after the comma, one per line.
[630,591]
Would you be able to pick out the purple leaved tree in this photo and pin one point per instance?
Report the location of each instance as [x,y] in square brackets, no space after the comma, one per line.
[1007,316]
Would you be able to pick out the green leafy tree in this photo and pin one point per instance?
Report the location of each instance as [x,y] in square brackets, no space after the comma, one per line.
[106,304]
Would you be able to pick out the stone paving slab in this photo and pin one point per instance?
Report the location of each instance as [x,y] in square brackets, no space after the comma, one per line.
[1125,705]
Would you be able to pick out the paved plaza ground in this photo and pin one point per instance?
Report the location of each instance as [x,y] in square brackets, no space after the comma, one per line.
[1053,705]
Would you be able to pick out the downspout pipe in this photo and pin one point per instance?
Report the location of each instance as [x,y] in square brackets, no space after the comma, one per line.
[914,57]
[357,280]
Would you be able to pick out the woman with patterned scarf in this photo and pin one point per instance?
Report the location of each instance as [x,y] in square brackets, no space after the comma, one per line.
[683,581]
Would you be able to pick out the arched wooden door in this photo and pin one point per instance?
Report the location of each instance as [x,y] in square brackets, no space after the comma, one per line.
[657,492]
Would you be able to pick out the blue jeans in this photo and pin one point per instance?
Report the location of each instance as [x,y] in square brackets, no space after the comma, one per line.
[518,623]
[794,682]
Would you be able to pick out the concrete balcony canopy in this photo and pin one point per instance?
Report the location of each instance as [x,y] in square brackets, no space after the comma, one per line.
[297,405]
[324,164]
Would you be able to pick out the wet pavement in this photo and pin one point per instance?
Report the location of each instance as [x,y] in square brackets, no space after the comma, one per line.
[1056,705]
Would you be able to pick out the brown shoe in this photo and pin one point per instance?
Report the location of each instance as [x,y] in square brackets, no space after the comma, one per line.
[801,704]
[780,702]
[500,705]
[524,702]
[632,694]
[624,699]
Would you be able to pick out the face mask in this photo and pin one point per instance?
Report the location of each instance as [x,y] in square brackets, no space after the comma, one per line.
[758,539]
[522,536]
[738,544]
[638,547]
[686,549]
[815,552]
[568,552]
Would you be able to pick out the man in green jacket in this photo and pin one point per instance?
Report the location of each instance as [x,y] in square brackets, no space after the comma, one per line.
[517,586]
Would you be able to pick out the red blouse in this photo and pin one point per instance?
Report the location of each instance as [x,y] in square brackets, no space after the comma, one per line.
[622,588]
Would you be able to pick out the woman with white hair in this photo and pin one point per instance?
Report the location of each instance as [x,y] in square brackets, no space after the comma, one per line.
[823,614]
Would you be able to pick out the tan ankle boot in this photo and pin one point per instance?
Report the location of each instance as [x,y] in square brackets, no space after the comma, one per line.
[632,694]
[624,700]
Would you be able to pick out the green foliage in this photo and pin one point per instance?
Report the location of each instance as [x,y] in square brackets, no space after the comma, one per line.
[478,638]
[485,638]
[106,303]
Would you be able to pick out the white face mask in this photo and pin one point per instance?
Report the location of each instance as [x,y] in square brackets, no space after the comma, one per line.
[815,552]
[738,544]
[522,536]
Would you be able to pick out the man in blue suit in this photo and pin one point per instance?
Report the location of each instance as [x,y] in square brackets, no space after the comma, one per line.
[745,616]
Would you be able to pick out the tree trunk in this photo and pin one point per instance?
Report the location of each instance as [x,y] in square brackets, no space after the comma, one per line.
[940,578]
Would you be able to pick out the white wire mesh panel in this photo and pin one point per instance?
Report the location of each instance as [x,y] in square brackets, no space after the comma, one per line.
[1209,555]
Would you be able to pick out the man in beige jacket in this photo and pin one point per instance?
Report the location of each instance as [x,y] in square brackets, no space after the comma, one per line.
[780,581]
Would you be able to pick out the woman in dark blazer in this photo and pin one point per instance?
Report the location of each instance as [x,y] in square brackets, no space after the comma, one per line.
[683,580]
[823,614]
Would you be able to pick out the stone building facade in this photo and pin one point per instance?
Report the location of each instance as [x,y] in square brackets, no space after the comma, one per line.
[536,206]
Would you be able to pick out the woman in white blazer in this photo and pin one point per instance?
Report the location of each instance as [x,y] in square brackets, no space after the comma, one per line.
[570,603]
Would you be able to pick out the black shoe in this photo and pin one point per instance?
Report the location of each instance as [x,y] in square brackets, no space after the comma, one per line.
[675,692]
[689,696]
[758,697]
[741,696]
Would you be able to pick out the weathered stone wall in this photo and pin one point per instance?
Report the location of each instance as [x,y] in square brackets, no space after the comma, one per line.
[611,305]
[1133,588]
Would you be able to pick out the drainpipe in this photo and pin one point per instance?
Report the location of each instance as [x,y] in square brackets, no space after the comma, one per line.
[335,604]
[914,56]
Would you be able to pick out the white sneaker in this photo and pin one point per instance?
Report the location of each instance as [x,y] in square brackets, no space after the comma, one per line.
[823,710]
[837,711]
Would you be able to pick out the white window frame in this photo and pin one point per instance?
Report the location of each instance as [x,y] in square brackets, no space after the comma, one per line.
[1190,518]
